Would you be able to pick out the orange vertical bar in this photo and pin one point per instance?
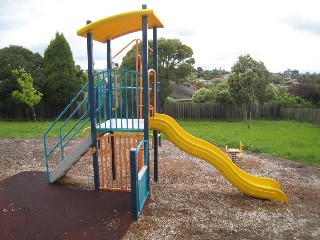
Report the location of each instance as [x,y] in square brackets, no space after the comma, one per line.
[137,55]
[137,69]
[121,156]
[131,146]
[125,160]
[115,159]
[107,156]
[154,93]
[140,87]
[101,164]
[111,157]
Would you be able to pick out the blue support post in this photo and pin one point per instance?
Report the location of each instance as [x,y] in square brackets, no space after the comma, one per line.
[91,94]
[109,66]
[155,132]
[134,184]
[145,85]
[155,64]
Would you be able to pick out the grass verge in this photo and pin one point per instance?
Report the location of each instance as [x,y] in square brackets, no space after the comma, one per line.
[286,139]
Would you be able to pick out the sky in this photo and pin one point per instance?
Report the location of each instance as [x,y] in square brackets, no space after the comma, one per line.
[283,34]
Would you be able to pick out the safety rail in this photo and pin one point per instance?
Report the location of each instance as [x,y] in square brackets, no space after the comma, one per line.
[76,109]
[140,188]
[79,110]
[118,108]
[118,98]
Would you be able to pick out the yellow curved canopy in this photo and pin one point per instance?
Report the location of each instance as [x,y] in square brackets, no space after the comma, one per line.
[121,24]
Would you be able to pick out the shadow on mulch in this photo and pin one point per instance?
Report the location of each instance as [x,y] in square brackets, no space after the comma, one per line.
[30,208]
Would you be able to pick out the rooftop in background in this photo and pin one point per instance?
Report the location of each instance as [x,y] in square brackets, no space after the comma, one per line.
[119,25]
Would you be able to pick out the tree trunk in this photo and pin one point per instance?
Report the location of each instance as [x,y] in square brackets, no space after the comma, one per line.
[33,111]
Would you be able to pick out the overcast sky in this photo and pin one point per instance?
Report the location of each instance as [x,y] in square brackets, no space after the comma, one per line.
[281,33]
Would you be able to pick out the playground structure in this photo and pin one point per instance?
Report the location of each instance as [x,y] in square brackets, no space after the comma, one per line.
[121,107]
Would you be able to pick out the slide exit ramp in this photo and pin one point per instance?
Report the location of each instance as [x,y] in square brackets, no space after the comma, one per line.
[259,187]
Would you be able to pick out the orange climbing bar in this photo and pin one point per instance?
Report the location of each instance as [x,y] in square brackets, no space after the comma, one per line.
[153,73]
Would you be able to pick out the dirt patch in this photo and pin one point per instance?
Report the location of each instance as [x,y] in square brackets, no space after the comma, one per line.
[192,199]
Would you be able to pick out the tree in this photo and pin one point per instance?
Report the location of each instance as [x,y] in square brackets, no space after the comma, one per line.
[173,55]
[13,57]
[199,72]
[248,82]
[201,95]
[220,93]
[28,94]
[284,98]
[175,63]
[63,80]
[218,72]
[308,91]
[217,93]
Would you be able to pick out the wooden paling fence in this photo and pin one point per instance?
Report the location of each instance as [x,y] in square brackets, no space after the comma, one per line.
[44,111]
[184,110]
[187,110]
[301,114]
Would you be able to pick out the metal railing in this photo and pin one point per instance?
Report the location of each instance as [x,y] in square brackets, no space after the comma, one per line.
[77,110]
[118,108]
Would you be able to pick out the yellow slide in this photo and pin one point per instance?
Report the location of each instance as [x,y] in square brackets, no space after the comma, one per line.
[260,187]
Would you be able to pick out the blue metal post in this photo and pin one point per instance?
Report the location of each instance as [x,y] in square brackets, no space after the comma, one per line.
[155,133]
[109,66]
[155,63]
[145,85]
[134,184]
[92,108]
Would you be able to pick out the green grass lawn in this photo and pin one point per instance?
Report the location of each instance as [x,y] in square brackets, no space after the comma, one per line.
[287,139]
[30,129]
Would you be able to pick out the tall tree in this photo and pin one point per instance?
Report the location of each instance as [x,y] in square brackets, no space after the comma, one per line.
[199,72]
[62,76]
[175,63]
[174,56]
[13,57]
[248,82]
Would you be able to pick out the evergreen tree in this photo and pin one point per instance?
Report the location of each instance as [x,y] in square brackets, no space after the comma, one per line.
[62,76]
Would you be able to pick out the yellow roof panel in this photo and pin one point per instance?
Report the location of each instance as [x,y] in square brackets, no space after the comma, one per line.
[121,24]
